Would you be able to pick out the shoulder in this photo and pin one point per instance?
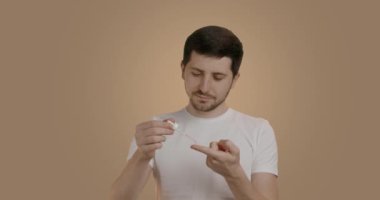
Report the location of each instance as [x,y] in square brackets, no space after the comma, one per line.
[253,127]
[249,121]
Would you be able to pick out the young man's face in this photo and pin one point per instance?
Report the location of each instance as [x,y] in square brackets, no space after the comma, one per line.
[208,81]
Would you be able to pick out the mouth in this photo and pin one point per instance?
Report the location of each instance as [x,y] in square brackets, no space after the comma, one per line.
[203,97]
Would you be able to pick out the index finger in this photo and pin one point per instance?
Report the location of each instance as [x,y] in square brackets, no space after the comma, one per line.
[153,123]
[208,151]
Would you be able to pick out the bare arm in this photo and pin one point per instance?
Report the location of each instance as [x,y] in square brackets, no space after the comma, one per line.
[266,184]
[132,179]
[223,158]
[263,186]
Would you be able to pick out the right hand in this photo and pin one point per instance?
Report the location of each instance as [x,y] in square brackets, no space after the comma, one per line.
[150,135]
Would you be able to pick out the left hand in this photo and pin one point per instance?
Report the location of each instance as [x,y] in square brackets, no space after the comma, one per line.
[223,157]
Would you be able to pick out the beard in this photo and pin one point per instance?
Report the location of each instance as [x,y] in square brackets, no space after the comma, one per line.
[208,106]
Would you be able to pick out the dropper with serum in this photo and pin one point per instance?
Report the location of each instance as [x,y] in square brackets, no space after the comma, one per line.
[175,126]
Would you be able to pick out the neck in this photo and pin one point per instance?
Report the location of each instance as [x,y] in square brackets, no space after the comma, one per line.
[222,108]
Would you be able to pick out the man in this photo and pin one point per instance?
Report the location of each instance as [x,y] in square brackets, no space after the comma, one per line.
[216,152]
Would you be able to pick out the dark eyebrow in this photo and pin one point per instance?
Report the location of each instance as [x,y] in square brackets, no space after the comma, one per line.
[196,69]
[215,73]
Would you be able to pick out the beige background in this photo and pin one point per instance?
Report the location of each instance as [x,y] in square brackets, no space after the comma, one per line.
[77,76]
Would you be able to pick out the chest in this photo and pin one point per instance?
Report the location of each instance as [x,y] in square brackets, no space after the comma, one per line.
[179,168]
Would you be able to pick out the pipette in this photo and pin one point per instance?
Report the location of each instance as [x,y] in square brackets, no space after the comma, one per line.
[175,126]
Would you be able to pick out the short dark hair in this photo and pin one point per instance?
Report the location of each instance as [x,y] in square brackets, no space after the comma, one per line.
[215,41]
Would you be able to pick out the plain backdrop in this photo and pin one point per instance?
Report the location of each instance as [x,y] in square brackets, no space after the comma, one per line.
[77,76]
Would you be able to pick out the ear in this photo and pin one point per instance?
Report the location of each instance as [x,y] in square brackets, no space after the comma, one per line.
[183,71]
[235,80]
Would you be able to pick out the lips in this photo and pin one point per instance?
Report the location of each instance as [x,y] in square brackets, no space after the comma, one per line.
[202,97]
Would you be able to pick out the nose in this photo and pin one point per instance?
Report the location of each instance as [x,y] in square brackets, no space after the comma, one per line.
[204,85]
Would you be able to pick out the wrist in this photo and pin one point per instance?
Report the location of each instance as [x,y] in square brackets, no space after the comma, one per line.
[236,174]
[141,157]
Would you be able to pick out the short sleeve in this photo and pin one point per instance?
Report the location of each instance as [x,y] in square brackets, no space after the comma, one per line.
[265,157]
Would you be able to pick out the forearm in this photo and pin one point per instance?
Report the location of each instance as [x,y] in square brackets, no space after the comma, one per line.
[242,188]
[132,179]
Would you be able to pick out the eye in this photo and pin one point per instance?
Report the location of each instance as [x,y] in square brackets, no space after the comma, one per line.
[218,78]
[195,74]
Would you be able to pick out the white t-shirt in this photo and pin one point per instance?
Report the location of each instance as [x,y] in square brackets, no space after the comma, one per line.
[181,173]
